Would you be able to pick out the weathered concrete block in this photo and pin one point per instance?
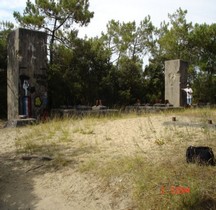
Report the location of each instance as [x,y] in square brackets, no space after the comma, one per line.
[175,80]
[26,73]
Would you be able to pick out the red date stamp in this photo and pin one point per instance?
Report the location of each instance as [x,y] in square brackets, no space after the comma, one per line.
[175,190]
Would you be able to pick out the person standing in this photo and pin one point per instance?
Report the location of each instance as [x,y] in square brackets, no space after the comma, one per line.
[189,93]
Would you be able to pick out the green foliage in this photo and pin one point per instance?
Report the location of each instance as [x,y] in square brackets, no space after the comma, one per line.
[111,67]
[178,39]
[154,80]
[5,29]
[204,62]
[174,41]
[126,39]
[130,83]
[79,76]
[88,73]
[55,13]
[171,42]
[55,17]
[128,44]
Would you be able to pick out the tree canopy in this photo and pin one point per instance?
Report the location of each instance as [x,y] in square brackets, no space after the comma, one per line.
[5,29]
[126,62]
[56,17]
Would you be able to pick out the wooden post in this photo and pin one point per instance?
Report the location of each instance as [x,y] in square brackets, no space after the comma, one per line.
[174,119]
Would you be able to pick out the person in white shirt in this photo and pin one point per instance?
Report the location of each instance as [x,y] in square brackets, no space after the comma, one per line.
[189,93]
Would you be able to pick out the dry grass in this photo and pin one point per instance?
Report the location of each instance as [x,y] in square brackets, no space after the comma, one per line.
[143,166]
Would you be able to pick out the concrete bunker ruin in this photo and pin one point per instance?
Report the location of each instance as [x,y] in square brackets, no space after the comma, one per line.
[26,73]
[175,81]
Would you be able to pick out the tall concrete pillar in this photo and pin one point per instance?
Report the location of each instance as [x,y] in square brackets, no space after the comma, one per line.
[175,80]
[26,73]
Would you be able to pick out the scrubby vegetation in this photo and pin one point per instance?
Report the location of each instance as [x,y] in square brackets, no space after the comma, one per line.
[147,167]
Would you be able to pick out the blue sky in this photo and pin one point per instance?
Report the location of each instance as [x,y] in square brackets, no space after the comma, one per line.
[199,11]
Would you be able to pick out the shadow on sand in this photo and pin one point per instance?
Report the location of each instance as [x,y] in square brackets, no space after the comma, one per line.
[16,184]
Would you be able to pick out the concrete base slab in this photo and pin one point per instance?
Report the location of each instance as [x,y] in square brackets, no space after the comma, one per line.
[183,124]
[76,112]
[20,122]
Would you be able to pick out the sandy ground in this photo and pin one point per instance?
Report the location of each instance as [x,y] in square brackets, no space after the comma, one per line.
[30,185]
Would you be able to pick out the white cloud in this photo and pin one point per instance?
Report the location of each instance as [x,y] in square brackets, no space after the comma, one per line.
[12,5]
[7,7]
[199,11]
